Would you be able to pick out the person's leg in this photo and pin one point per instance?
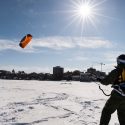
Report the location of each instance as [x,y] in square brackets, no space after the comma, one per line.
[121,113]
[109,108]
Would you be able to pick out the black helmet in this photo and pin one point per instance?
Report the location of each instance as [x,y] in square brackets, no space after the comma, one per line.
[121,59]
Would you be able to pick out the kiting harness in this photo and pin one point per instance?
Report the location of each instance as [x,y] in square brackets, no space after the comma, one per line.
[120,87]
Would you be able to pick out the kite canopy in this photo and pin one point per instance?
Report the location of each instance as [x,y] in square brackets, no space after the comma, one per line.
[25,40]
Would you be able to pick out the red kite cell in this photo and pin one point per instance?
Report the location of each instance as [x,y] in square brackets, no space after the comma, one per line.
[26,39]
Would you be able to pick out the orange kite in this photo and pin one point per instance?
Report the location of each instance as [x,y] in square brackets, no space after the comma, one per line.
[26,39]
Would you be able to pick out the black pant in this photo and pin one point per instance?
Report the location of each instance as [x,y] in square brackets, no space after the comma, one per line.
[115,102]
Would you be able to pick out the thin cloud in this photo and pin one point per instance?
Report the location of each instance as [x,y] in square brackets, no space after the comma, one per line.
[56,43]
[12,45]
[94,43]
[6,44]
[59,43]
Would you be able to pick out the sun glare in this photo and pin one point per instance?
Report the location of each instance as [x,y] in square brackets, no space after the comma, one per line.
[84,10]
[85,14]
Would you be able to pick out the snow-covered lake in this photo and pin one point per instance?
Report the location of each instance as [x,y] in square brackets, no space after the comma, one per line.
[51,103]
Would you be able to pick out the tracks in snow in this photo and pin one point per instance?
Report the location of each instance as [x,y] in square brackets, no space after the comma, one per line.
[52,106]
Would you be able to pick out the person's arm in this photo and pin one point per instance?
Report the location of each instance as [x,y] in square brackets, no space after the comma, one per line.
[110,78]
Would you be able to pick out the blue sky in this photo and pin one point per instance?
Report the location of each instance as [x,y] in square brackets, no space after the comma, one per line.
[59,37]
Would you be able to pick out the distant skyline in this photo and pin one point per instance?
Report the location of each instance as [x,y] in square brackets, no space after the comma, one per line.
[61,35]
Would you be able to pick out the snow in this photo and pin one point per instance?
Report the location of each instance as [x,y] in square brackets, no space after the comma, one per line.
[51,103]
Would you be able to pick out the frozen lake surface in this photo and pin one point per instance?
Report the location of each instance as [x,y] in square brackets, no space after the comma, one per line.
[51,103]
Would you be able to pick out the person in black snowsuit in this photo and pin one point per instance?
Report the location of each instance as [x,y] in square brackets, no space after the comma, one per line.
[117,99]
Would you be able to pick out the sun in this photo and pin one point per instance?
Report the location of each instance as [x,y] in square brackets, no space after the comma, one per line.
[85,15]
[84,11]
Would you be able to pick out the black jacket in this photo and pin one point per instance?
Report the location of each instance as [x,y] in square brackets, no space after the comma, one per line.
[113,77]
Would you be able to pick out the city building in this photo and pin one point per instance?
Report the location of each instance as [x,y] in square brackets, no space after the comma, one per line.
[58,73]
